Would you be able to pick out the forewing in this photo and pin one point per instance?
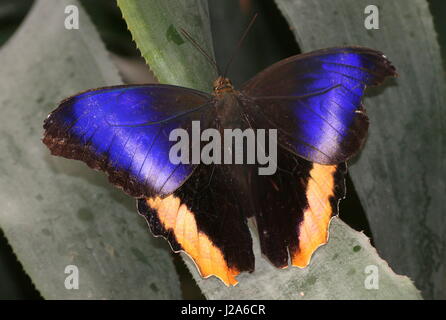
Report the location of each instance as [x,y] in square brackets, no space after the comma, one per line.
[314,100]
[124,131]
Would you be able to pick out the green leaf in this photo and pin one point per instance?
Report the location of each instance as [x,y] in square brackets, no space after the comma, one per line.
[400,174]
[57,212]
[337,270]
[156,28]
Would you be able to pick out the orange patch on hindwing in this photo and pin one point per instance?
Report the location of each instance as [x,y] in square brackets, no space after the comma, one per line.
[178,219]
[313,230]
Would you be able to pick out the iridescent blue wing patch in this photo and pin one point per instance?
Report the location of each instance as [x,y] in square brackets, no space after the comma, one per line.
[124,131]
[314,100]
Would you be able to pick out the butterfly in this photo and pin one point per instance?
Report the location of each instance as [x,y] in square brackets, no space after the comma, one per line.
[313,100]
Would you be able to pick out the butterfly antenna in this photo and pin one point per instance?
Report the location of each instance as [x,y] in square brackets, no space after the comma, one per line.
[201,50]
[239,44]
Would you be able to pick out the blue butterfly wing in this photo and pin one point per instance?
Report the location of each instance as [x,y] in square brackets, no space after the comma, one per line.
[108,129]
[314,100]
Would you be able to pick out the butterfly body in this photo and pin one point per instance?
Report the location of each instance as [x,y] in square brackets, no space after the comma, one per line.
[312,101]
[229,111]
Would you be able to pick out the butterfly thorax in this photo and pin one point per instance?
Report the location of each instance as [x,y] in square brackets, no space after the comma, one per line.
[222,86]
[227,104]
[228,111]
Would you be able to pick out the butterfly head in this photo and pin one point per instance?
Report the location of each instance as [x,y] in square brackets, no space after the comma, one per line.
[222,85]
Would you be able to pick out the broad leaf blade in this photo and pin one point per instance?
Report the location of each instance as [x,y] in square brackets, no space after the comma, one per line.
[399,175]
[156,28]
[339,270]
[57,212]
